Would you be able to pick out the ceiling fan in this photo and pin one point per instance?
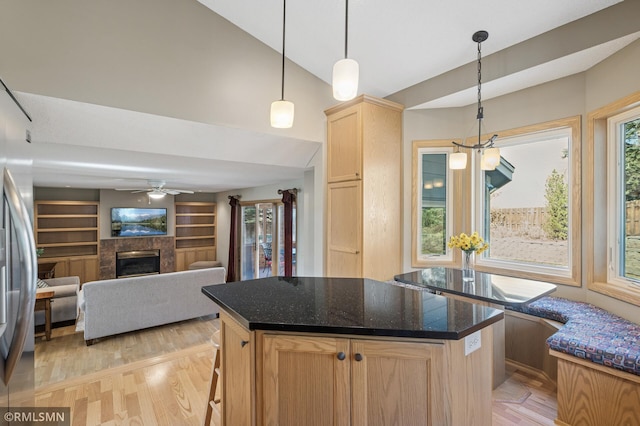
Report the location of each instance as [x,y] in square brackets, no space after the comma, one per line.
[157,190]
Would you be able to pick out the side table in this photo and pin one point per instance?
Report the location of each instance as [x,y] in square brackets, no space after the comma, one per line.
[43,303]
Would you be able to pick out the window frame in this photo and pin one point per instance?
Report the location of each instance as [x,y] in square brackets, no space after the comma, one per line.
[455,206]
[615,176]
[596,220]
[567,276]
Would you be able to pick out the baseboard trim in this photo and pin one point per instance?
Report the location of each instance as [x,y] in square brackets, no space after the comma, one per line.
[530,370]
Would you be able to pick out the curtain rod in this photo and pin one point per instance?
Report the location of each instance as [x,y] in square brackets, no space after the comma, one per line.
[15,100]
[234,196]
[294,190]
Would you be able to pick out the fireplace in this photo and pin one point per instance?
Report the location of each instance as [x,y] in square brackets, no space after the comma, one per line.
[136,263]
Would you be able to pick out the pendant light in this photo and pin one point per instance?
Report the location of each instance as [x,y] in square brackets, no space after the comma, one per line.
[282,111]
[345,71]
[490,154]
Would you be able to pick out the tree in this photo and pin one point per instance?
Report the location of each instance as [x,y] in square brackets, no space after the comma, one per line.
[632,160]
[433,227]
[556,224]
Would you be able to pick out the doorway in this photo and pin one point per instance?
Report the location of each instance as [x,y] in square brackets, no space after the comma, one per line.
[257,239]
[262,240]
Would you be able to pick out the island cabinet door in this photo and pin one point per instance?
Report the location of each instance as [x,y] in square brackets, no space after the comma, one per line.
[305,381]
[237,376]
[396,383]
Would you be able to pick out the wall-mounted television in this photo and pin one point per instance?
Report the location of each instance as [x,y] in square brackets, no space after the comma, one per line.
[138,222]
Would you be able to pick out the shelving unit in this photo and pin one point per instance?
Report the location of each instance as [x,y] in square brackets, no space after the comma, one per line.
[69,234]
[195,233]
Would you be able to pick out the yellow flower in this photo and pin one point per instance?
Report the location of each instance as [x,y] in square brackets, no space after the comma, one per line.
[473,242]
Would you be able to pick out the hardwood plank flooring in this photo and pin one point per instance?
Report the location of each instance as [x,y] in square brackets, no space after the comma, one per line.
[66,355]
[161,376]
[538,405]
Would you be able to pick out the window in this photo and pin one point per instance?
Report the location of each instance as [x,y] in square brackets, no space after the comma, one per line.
[433,215]
[623,196]
[608,263]
[526,208]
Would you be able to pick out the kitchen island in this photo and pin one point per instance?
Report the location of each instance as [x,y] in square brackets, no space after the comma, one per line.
[351,351]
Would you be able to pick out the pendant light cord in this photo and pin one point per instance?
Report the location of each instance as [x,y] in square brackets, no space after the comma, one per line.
[346,27]
[480,115]
[284,18]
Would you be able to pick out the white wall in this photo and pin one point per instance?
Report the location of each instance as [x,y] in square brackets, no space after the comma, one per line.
[165,57]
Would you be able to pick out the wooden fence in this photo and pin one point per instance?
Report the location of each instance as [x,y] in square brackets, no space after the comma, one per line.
[518,220]
[633,218]
[523,219]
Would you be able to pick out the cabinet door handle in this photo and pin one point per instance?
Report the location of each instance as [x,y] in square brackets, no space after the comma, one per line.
[341,356]
[243,343]
[359,357]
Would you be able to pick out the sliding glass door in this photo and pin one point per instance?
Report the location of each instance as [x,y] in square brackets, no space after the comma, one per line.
[257,238]
[262,238]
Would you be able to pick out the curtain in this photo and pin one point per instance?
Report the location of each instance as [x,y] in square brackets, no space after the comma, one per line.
[288,198]
[233,240]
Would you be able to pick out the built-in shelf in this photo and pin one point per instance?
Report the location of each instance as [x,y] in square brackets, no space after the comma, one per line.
[195,233]
[68,231]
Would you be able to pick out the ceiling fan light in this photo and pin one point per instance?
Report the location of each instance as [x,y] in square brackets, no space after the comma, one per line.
[156,194]
[345,79]
[458,160]
[282,114]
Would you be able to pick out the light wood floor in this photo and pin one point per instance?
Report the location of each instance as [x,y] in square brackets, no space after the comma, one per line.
[66,355]
[161,376]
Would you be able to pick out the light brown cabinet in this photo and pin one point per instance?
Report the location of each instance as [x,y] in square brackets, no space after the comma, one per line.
[69,234]
[237,373]
[280,378]
[364,147]
[344,230]
[367,382]
[195,233]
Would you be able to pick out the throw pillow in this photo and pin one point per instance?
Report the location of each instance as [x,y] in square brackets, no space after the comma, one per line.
[42,284]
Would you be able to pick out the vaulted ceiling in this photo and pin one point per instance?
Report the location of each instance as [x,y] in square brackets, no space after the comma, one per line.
[414,52]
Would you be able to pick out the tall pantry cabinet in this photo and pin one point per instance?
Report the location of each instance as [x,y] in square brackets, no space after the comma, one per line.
[364,192]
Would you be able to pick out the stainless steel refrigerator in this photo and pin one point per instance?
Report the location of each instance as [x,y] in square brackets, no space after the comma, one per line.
[18,263]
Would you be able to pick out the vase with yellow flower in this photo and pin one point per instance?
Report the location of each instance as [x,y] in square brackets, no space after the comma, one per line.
[469,244]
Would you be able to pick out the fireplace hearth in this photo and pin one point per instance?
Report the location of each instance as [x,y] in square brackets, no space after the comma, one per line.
[137,263]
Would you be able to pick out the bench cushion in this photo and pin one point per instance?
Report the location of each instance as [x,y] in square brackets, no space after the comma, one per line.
[590,333]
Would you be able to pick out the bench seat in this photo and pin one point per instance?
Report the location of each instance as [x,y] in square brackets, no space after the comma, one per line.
[590,333]
[598,363]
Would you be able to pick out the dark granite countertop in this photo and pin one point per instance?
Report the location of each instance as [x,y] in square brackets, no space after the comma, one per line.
[348,306]
[493,288]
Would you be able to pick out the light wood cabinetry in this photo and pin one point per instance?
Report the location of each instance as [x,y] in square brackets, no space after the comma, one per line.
[306,379]
[279,378]
[69,234]
[344,230]
[195,233]
[237,371]
[368,382]
[364,147]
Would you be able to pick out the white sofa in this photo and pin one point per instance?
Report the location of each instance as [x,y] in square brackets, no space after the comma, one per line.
[116,306]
